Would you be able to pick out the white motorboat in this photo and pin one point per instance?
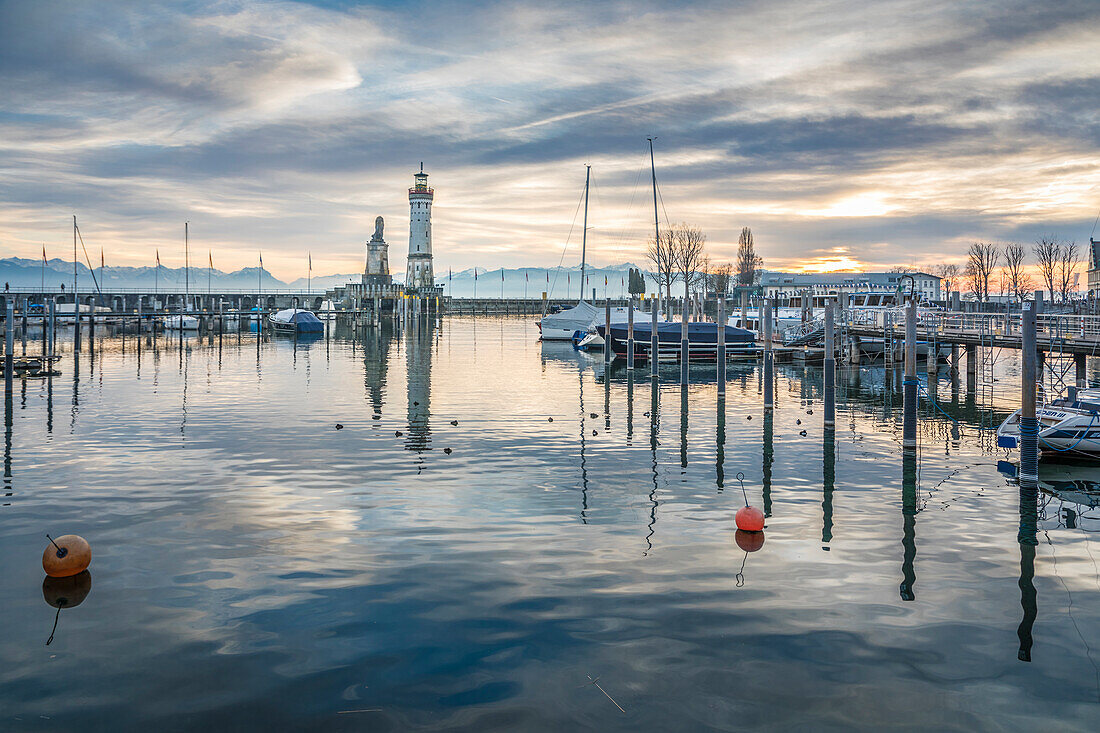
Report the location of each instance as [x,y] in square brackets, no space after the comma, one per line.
[181,323]
[1065,426]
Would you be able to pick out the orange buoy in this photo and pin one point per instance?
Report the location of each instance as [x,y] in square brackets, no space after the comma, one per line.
[749,519]
[67,555]
[749,541]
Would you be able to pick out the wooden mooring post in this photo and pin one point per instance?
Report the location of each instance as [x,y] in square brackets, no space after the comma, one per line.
[769,397]
[1029,426]
[654,306]
[909,383]
[721,354]
[9,345]
[607,331]
[630,334]
[830,365]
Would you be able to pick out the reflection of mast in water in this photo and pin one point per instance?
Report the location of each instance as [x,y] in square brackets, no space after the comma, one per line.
[769,458]
[629,406]
[1029,519]
[909,513]
[418,361]
[584,465]
[376,347]
[654,429]
[828,481]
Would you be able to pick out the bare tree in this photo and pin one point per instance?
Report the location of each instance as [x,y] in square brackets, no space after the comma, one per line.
[1047,255]
[1069,259]
[748,263]
[662,253]
[982,258]
[720,278]
[689,255]
[1016,280]
[948,275]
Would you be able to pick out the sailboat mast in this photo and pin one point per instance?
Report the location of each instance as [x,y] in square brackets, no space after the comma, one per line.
[186,268]
[75,299]
[653,173]
[584,234]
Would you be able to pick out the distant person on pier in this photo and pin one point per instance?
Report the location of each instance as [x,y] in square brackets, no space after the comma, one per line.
[6,287]
[63,287]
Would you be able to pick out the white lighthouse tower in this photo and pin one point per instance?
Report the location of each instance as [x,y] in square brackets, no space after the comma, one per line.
[419,276]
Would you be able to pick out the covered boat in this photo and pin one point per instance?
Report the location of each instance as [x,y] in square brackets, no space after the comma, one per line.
[562,326]
[702,341]
[295,320]
[181,323]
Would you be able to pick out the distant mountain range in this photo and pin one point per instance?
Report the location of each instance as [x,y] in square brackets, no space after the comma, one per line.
[558,282]
[19,272]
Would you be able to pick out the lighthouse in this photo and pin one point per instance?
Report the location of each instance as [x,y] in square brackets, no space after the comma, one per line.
[419,277]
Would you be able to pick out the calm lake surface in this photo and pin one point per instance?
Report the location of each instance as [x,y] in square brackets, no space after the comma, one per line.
[256,569]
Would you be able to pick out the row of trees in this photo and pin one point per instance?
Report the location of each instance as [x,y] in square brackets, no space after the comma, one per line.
[679,254]
[1005,267]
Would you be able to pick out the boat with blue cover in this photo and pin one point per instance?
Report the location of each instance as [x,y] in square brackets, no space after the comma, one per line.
[702,341]
[295,320]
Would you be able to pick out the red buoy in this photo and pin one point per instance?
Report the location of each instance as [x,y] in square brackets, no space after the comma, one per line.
[749,541]
[750,519]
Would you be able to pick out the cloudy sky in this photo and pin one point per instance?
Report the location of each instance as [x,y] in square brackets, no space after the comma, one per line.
[844,132]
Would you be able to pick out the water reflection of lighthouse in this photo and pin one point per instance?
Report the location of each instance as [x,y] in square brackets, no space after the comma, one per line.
[418,360]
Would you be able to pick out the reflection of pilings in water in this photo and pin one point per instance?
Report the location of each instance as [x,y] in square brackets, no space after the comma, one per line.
[49,405]
[828,481]
[720,445]
[683,426]
[909,532]
[1029,518]
[8,424]
[768,458]
[654,429]
[418,363]
[629,406]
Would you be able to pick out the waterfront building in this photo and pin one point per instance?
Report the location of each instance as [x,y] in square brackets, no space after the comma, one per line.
[789,284]
[1094,267]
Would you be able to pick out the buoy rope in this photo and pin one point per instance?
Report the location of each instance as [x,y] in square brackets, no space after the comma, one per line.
[61,551]
[741,478]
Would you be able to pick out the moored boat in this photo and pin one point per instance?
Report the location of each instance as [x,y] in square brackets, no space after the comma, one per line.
[702,341]
[1065,426]
[295,321]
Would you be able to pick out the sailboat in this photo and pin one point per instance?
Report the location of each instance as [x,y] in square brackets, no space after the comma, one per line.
[576,324]
[184,322]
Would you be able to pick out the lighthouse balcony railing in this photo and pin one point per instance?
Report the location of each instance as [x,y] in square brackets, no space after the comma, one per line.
[415,189]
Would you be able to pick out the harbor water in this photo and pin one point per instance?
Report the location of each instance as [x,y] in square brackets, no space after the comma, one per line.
[507,535]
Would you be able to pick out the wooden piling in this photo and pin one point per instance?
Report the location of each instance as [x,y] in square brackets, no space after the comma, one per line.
[607,331]
[9,345]
[909,383]
[830,365]
[630,333]
[721,354]
[1029,426]
[769,398]
[653,342]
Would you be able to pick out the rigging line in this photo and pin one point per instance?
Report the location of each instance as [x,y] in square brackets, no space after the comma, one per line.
[89,261]
[661,197]
[629,208]
[1094,224]
[565,249]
